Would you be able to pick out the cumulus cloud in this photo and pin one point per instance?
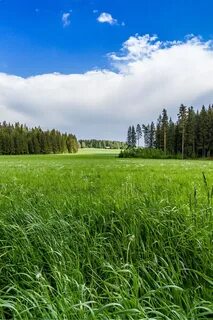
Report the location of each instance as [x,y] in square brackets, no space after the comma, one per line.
[107,18]
[66,19]
[147,75]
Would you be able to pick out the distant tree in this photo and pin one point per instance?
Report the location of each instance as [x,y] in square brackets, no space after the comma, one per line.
[146,135]
[190,132]
[129,137]
[164,122]
[191,135]
[203,131]
[158,133]
[138,133]
[152,135]
[209,137]
[182,118]
[19,139]
[171,137]
[36,144]
[93,143]
[134,137]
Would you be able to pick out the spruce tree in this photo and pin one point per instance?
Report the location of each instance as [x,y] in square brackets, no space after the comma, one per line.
[182,118]
[138,133]
[171,137]
[129,137]
[164,122]
[152,135]
[209,138]
[146,135]
[19,139]
[134,137]
[158,135]
[203,131]
[190,133]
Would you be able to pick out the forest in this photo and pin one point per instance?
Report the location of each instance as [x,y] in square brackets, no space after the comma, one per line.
[19,139]
[102,144]
[191,136]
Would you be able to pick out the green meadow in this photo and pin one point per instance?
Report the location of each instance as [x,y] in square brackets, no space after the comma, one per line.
[92,236]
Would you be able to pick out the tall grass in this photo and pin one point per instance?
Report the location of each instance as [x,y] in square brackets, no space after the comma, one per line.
[105,238]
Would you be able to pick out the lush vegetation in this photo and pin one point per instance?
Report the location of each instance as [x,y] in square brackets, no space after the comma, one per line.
[98,237]
[19,139]
[147,153]
[191,135]
[100,144]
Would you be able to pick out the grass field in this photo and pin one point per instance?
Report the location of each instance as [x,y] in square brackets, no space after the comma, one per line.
[92,236]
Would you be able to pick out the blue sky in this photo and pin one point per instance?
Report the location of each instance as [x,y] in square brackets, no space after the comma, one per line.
[93,67]
[34,41]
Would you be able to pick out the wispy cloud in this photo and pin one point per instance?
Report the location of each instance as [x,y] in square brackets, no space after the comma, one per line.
[66,19]
[107,18]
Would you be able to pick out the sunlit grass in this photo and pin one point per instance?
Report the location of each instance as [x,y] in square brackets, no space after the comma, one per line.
[91,236]
[98,151]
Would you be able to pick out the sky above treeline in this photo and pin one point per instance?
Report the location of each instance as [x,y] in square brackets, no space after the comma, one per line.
[94,67]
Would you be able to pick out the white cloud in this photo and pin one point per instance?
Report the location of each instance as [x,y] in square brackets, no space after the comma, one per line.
[107,18]
[136,48]
[150,75]
[66,19]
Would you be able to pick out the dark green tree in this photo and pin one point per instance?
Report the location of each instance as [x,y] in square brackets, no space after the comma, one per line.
[182,119]
[171,137]
[138,133]
[203,132]
[152,135]
[134,137]
[129,137]
[146,135]
[190,133]
[158,134]
[164,123]
[19,139]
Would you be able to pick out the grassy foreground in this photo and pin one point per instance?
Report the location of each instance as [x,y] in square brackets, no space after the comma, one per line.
[91,236]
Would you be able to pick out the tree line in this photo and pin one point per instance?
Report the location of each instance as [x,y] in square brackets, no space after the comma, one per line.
[102,144]
[19,139]
[191,135]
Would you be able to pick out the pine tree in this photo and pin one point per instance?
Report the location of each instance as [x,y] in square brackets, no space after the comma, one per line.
[146,134]
[171,137]
[209,138]
[134,137]
[190,133]
[19,139]
[129,137]
[158,135]
[138,133]
[152,135]
[164,128]
[182,118]
[202,131]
